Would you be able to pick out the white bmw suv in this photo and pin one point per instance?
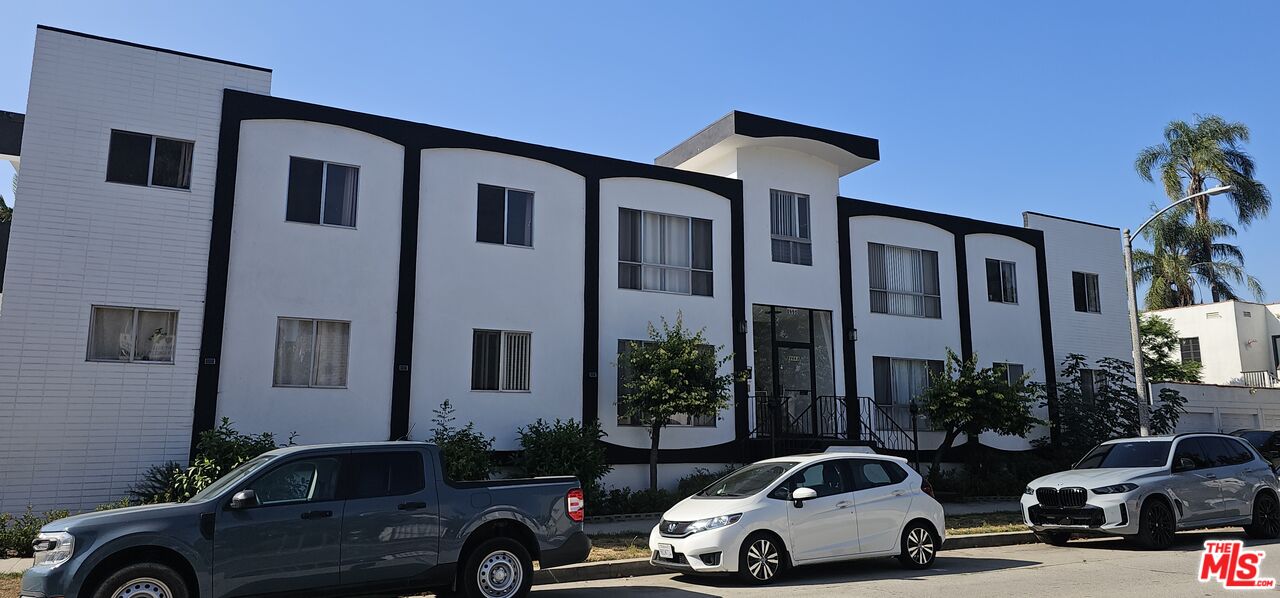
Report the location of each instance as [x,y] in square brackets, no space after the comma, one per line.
[802,509]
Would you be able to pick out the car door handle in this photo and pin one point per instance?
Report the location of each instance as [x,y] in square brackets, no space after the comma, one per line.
[844,504]
[1210,476]
[317,515]
[899,492]
[412,506]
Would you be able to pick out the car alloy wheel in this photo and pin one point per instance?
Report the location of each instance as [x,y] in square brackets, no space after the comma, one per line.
[144,587]
[1266,518]
[920,548]
[1159,524]
[500,575]
[763,559]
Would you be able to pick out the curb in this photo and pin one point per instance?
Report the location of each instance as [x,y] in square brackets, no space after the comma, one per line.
[638,567]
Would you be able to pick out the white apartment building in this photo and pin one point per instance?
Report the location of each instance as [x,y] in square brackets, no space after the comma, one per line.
[190,247]
[1237,343]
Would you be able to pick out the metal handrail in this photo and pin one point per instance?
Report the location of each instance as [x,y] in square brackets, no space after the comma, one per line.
[827,418]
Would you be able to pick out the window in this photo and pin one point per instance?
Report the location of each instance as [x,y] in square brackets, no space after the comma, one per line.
[372,475]
[1085,288]
[869,474]
[1090,385]
[898,382]
[322,192]
[132,335]
[311,353]
[661,252]
[504,216]
[826,478]
[307,480]
[624,375]
[500,360]
[1002,281]
[140,159]
[904,281]
[1190,349]
[1012,371]
[789,223]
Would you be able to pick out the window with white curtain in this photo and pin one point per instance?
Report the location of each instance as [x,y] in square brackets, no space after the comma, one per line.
[1002,281]
[904,281]
[312,353]
[665,253]
[789,225]
[625,375]
[501,360]
[141,159]
[131,334]
[322,192]
[898,382]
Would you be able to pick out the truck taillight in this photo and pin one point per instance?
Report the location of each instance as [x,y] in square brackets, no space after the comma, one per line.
[576,504]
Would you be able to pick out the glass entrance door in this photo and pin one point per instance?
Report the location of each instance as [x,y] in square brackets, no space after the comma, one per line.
[794,367]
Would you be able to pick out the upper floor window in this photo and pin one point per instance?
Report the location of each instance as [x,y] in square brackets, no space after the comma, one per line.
[504,216]
[322,192]
[141,159]
[904,281]
[789,223]
[1085,288]
[500,360]
[661,252]
[1190,349]
[132,335]
[1002,281]
[312,353]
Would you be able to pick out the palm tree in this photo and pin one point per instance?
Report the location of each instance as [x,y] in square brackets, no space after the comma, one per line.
[1173,269]
[1194,157]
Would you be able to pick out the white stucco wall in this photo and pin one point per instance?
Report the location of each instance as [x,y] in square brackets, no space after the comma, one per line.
[75,433]
[463,285]
[301,270]
[1230,342]
[1216,408]
[626,313]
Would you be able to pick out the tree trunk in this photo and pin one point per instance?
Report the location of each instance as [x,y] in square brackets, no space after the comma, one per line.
[1201,205]
[942,449]
[655,433]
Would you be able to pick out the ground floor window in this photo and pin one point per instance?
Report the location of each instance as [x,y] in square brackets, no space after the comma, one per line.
[311,353]
[501,360]
[131,334]
[898,383]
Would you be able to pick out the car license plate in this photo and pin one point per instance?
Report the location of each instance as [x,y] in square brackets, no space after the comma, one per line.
[666,551]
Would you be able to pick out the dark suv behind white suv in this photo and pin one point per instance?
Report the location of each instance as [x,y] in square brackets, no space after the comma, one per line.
[1147,489]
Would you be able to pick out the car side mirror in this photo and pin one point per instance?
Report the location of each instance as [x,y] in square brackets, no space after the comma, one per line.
[799,495]
[244,499]
[1184,464]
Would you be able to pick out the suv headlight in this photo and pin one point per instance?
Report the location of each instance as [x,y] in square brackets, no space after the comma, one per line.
[703,525]
[1116,489]
[53,549]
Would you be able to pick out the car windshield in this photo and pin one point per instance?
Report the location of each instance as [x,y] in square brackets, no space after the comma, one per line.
[748,480]
[235,476]
[1154,453]
[1257,439]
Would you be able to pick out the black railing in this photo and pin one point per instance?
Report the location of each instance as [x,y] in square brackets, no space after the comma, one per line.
[790,421]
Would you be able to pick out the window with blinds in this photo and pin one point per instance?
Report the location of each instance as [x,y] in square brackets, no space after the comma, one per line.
[664,253]
[501,360]
[312,353]
[789,225]
[904,281]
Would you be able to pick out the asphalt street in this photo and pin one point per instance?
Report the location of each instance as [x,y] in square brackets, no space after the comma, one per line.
[1102,568]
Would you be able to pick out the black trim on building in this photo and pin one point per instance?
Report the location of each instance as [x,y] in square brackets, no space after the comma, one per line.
[960,228]
[1072,220]
[760,127]
[239,106]
[154,48]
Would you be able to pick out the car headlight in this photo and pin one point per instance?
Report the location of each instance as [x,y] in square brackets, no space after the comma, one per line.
[53,549]
[703,525]
[1116,489]
[1028,491]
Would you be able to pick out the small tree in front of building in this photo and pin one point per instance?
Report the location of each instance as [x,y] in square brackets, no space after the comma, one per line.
[675,373]
[1098,401]
[1160,343]
[966,399]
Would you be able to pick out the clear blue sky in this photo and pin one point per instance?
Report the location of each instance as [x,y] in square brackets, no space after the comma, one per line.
[983,109]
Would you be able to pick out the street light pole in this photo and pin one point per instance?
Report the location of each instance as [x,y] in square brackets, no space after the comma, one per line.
[1139,371]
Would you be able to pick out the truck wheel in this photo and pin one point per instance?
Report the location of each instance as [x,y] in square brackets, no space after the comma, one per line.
[498,568]
[143,580]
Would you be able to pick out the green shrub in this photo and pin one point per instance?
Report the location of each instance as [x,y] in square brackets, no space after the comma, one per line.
[156,483]
[225,448]
[1006,475]
[119,504]
[18,532]
[218,451]
[701,478]
[464,451]
[623,501]
[563,448]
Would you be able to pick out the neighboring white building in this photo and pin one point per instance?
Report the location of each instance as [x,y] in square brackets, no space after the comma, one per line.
[1236,342]
[190,248]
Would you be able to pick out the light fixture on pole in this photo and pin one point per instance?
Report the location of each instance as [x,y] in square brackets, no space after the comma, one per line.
[1139,371]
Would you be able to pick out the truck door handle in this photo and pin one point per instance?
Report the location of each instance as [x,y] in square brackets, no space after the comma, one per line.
[412,506]
[317,515]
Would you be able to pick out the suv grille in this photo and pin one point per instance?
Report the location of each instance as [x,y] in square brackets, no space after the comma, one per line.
[1070,498]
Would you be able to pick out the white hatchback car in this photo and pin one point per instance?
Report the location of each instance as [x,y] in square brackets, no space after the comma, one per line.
[799,510]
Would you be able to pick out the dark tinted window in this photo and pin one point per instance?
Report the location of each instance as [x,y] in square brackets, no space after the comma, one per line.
[519,218]
[129,158]
[826,478]
[1154,453]
[490,209]
[1193,450]
[304,480]
[748,480]
[384,474]
[486,347]
[340,187]
[172,166]
[1218,452]
[1258,439]
[306,178]
[869,473]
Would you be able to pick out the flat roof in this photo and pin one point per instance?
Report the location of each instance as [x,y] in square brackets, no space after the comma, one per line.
[858,151]
[157,49]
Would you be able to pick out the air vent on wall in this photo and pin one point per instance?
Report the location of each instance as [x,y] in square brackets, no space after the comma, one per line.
[1248,315]
[1213,315]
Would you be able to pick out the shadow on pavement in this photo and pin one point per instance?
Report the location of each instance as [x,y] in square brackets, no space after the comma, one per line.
[870,570]
[1193,540]
[619,592]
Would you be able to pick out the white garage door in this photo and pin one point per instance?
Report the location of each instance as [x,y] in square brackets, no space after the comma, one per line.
[1239,421]
[1196,422]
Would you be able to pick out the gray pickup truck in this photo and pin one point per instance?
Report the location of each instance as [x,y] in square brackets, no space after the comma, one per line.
[369,519]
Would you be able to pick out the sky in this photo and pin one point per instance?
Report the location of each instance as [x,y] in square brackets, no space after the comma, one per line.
[982,109]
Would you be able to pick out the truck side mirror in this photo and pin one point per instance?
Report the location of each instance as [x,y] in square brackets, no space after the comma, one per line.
[799,495]
[244,499]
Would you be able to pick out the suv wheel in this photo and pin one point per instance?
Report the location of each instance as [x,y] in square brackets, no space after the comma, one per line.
[919,546]
[1054,538]
[1266,518]
[143,580]
[1156,527]
[498,568]
[761,559]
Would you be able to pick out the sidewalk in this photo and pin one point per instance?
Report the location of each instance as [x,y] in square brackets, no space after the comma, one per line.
[8,566]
